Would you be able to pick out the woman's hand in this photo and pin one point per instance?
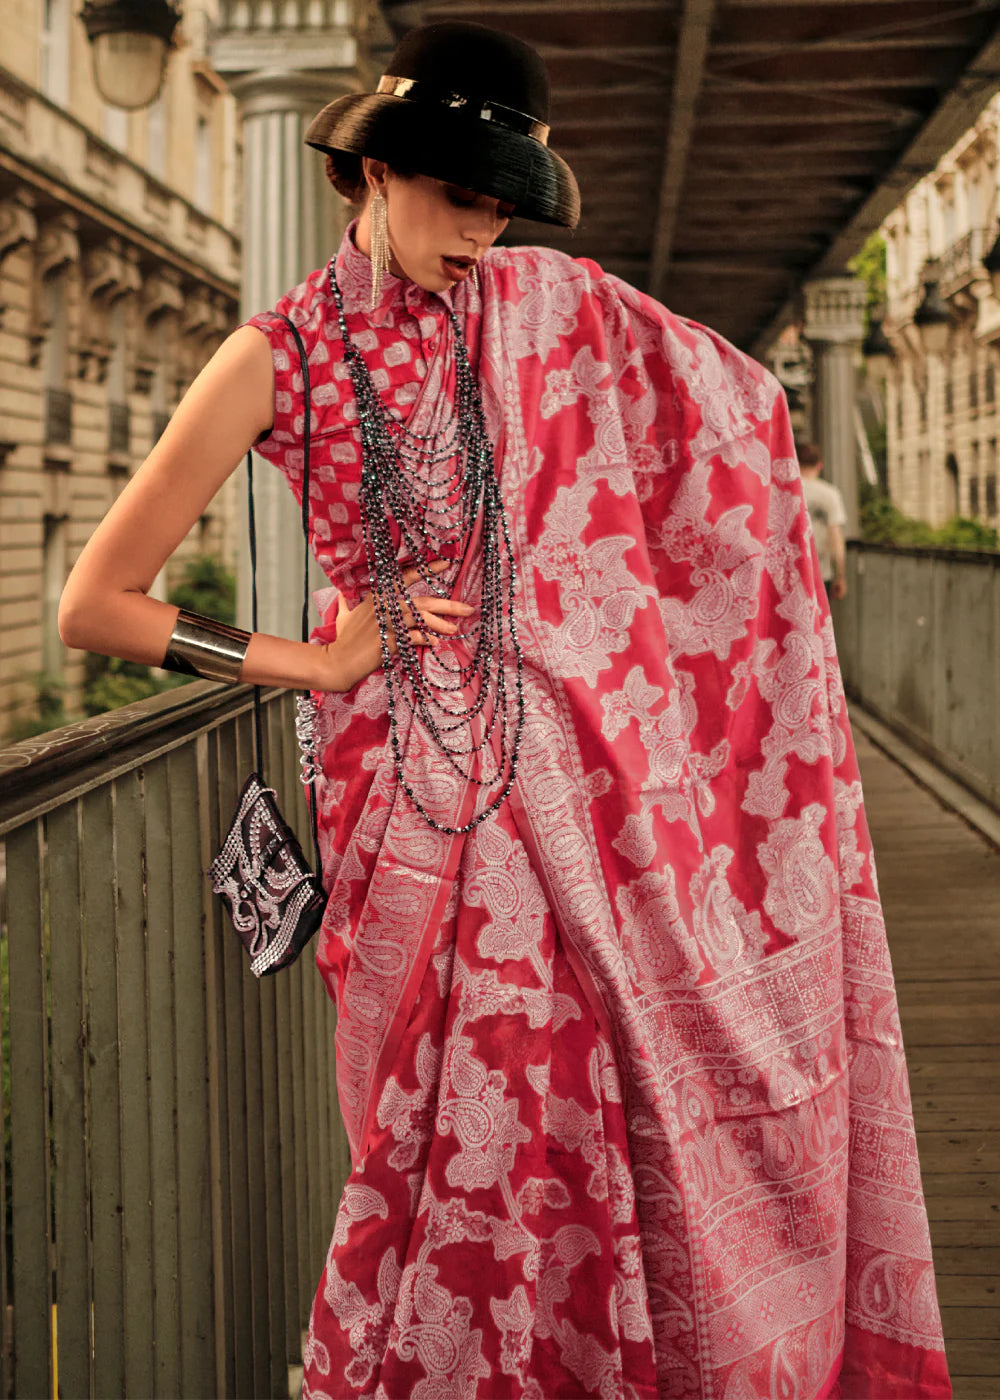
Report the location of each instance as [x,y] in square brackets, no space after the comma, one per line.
[357,650]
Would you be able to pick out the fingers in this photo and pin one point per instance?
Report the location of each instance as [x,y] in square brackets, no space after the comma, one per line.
[429,623]
[417,638]
[436,611]
[451,606]
[411,575]
[432,614]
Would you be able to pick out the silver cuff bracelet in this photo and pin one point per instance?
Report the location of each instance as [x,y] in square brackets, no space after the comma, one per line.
[200,646]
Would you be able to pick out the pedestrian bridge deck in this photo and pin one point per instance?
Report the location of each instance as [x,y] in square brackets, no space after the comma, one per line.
[940,886]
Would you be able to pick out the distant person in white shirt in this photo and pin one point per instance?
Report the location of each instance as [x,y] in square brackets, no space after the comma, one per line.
[826,511]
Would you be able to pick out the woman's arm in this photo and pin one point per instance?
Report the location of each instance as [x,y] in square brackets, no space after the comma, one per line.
[105,607]
[839,551]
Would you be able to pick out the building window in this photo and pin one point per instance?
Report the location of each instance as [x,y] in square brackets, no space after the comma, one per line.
[55,345]
[203,165]
[58,400]
[119,425]
[923,408]
[974,480]
[118,477]
[991,495]
[899,409]
[55,41]
[973,201]
[54,570]
[990,382]
[951,467]
[949,395]
[156,138]
[116,127]
[974,389]
[58,417]
[119,428]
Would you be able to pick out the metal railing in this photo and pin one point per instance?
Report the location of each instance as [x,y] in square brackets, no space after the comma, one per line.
[962,261]
[918,637]
[174,1150]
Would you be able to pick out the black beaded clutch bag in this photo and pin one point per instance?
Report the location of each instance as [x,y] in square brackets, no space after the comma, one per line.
[274,897]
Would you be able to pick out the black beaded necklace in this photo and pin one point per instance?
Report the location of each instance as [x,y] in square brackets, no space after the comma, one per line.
[423,495]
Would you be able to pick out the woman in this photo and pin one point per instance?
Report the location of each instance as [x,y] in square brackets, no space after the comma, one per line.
[618,1054]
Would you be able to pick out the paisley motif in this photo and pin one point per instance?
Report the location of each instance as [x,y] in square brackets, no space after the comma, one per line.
[680,892]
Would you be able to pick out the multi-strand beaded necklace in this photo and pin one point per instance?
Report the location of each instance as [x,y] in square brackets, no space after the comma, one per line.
[427,497]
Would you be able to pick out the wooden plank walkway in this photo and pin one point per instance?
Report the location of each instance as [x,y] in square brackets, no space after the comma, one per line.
[940,886]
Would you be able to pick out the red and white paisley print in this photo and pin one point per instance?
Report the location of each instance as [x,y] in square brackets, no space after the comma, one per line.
[621,1070]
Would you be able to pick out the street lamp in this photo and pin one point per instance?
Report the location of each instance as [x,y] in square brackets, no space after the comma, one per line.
[877,349]
[933,319]
[129,41]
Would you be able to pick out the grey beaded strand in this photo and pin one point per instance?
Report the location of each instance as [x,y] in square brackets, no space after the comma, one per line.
[422,497]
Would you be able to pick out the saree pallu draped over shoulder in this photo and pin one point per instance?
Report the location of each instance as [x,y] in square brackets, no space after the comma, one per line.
[621,1070]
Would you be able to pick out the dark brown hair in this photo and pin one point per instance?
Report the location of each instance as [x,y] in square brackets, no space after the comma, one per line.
[808,454]
[346,174]
[347,177]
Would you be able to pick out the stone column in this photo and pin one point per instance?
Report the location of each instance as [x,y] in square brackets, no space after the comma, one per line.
[834,327]
[292,220]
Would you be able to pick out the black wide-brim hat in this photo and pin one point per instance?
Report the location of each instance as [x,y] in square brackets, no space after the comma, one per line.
[465,104]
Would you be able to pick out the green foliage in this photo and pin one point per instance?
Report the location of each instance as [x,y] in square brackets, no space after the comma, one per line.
[869,265]
[962,533]
[207,587]
[50,710]
[112,683]
[884,523]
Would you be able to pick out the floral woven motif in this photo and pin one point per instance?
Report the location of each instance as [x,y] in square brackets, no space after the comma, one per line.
[621,1071]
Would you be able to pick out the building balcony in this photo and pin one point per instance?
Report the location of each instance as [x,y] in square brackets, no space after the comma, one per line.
[58,159]
[960,267]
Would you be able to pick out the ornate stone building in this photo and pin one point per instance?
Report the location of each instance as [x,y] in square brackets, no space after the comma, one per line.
[942,404]
[119,271]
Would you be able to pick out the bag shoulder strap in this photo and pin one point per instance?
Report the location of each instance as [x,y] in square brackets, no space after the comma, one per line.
[251,517]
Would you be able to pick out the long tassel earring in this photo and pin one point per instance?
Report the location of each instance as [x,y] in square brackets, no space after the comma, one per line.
[379,233]
[475,279]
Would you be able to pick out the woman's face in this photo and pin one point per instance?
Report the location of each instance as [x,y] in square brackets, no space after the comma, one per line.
[437,232]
